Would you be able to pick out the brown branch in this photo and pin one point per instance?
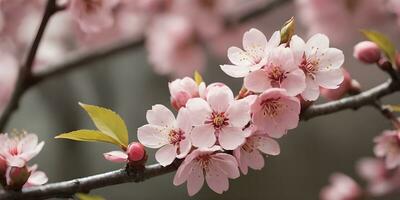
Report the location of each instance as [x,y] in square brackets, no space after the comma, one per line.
[68,188]
[25,72]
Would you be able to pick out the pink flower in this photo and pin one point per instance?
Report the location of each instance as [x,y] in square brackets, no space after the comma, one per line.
[387,145]
[280,71]
[218,116]
[18,150]
[216,167]
[342,188]
[249,154]
[93,15]
[380,180]
[254,56]
[320,63]
[182,90]
[275,112]
[173,48]
[342,90]
[167,133]
[134,153]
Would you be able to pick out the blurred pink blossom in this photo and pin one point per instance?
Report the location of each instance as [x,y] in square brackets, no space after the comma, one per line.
[387,145]
[217,168]
[182,90]
[341,187]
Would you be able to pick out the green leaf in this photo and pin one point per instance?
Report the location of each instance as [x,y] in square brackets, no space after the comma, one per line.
[89,197]
[108,122]
[383,42]
[287,30]
[198,78]
[88,136]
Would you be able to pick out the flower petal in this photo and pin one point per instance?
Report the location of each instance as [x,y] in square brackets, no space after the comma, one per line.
[331,58]
[219,99]
[254,159]
[203,136]
[316,43]
[160,115]
[116,156]
[195,180]
[268,145]
[295,82]
[37,178]
[184,148]
[231,138]
[311,93]
[254,42]
[330,79]
[257,81]
[235,71]
[152,136]
[199,110]
[216,180]
[238,113]
[227,164]
[239,57]
[166,154]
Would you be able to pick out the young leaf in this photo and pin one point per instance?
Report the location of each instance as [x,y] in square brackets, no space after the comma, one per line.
[287,30]
[88,136]
[108,122]
[198,78]
[383,42]
[88,197]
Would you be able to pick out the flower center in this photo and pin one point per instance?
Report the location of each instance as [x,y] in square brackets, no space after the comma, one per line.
[91,5]
[175,136]
[271,107]
[276,75]
[204,160]
[218,120]
[309,67]
[249,146]
[13,151]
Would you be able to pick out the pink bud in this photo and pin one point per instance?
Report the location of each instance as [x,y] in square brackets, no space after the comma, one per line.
[398,61]
[367,51]
[136,152]
[17,177]
[342,90]
[3,166]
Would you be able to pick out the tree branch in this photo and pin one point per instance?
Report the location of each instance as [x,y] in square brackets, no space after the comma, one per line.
[25,72]
[68,188]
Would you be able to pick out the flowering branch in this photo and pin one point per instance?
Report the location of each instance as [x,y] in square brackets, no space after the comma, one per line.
[68,188]
[25,72]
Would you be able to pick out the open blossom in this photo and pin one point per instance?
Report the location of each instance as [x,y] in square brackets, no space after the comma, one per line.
[93,15]
[388,146]
[216,167]
[182,90]
[250,153]
[167,133]
[280,71]
[254,56]
[342,188]
[18,150]
[275,112]
[219,116]
[380,180]
[320,63]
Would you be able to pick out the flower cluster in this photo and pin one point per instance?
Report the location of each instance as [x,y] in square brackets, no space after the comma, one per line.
[15,153]
[217,134]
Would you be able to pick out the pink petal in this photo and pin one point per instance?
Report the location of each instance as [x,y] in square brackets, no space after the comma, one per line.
[254,41]
[184,148]
[216,180]
[203,136]
[295,82]
[160,115]
[15,161]
[116,156]
[235,71]
[274,41]
[254,159]
[227,164]
[183,120]
[152,136]
[283,57]
[330,79]
[199,110]
[268,146]
[332,58]
[311,93]
[297,46]
[37,178]
[257,81]
[238,113]
[28,155]
[183,173]
[238,57]
[231,138]
[317,42]
[28,143]
[195,180]
[219,99]
[241,160]
[166,154]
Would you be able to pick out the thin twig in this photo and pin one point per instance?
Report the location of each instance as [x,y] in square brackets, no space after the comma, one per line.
[25,72]
[68,188]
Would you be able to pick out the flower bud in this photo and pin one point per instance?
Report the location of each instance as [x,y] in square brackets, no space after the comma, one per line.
[181,91]
[397,60]
[3,169]
[136,152]
[287,31]
[17,177]
[367,52]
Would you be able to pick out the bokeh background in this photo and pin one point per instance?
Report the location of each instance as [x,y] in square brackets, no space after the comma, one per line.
[127,84]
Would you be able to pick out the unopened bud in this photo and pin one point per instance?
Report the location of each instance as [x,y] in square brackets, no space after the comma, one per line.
[367,52]
[287,31]
[136,152]
[17,177]
[397,60]
[355,87]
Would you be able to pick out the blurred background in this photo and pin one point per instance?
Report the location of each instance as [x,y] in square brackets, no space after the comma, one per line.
[129,84]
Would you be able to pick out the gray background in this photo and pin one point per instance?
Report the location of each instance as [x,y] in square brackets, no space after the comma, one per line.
[127,84]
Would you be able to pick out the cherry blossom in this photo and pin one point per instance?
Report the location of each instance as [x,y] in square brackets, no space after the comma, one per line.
[93,15]
[280,71]
[387,145]
[320,63]
[18,150]
[342,188]
[254,56]
[275,112]
[182,90]
[219,116]
[216,167]
[249,154]
[167,133]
